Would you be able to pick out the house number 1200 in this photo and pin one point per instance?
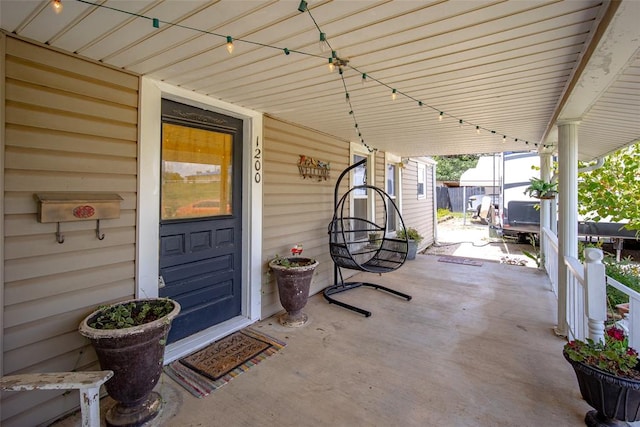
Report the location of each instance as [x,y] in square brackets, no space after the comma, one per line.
[257,164]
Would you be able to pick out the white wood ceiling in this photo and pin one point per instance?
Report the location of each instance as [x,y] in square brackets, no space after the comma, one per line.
[506,66]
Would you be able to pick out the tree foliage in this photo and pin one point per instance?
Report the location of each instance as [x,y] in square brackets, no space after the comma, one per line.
[450,168]
[612,192]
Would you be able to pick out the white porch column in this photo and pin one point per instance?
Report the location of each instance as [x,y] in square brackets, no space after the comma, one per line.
[568,206]
[545,205]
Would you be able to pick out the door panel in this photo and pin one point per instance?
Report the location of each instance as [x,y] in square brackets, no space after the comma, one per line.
[201,213]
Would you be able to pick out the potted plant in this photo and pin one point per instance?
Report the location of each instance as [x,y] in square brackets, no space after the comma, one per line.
[608,375]
[413,237]
[541,189]
[374,238]
[129,338]
[293,277]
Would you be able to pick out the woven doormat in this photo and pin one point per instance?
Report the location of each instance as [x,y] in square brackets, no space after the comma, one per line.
[215,365]
[458,260]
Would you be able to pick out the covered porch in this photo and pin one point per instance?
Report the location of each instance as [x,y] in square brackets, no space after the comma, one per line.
[475,346]
[81,110]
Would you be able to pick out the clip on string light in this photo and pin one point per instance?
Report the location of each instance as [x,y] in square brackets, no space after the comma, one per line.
[334,61]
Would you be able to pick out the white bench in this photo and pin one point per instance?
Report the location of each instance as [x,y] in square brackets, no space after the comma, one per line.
[88,383]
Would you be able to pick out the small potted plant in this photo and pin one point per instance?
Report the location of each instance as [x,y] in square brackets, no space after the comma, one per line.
[129,338]
[293,277]
[541,189]
[413,237]
[374,239]
[608,375]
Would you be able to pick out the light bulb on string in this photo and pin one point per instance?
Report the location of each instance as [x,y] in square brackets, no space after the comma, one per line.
[393,95]
[441,116]
[56,5]
[420,105]
[346,98]
[478,130]
[460,123]
[332,66]
[364,79]
[504,138]
[230,44]
[322,43]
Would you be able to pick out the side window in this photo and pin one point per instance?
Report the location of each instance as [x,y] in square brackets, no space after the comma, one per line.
[391,190]
[360,197]
[422,181]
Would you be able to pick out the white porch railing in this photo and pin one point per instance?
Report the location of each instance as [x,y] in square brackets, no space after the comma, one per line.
[549,248]
[586,309]
[577,319]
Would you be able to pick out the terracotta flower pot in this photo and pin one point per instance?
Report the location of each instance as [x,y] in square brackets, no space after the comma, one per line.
[293,288]
[613,398]
[135,355]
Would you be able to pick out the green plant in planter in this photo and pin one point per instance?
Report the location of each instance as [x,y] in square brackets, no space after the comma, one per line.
[291,262]
[134,313]
[613,355]
[410,234]
[540,188]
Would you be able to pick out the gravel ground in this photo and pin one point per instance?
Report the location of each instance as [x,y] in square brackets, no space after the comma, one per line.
[472,240]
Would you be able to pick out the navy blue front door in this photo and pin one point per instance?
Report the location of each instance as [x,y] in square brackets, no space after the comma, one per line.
[201,214]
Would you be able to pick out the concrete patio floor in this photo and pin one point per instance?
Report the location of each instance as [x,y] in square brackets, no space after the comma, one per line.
[474,347]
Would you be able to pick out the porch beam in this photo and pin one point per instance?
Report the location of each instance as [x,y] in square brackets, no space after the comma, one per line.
[568,206]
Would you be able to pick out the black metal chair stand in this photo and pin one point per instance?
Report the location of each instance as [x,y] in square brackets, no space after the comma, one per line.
[364,245]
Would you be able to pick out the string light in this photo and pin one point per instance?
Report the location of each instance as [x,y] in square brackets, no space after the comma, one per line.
[56,5]
[322,43]
[393,95]
[504,138]
[460,123]
[230,44]
[346,98]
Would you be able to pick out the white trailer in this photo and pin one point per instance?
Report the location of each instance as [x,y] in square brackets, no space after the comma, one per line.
[518,213]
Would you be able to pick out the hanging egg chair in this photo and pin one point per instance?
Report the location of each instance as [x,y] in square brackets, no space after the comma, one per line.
[358,243]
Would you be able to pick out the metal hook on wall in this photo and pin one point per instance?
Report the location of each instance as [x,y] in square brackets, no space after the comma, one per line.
[98,235]
[59,236]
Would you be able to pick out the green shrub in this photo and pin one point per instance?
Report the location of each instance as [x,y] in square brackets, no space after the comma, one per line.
[626,273]
[443,213]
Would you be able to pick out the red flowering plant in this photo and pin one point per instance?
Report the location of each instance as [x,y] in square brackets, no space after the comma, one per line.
[613,356]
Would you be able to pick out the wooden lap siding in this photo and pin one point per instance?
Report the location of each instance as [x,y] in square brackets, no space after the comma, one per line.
[297,210]
[418,213]
[71,125]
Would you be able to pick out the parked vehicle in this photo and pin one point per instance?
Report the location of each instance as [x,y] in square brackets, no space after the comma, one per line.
[518,212]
